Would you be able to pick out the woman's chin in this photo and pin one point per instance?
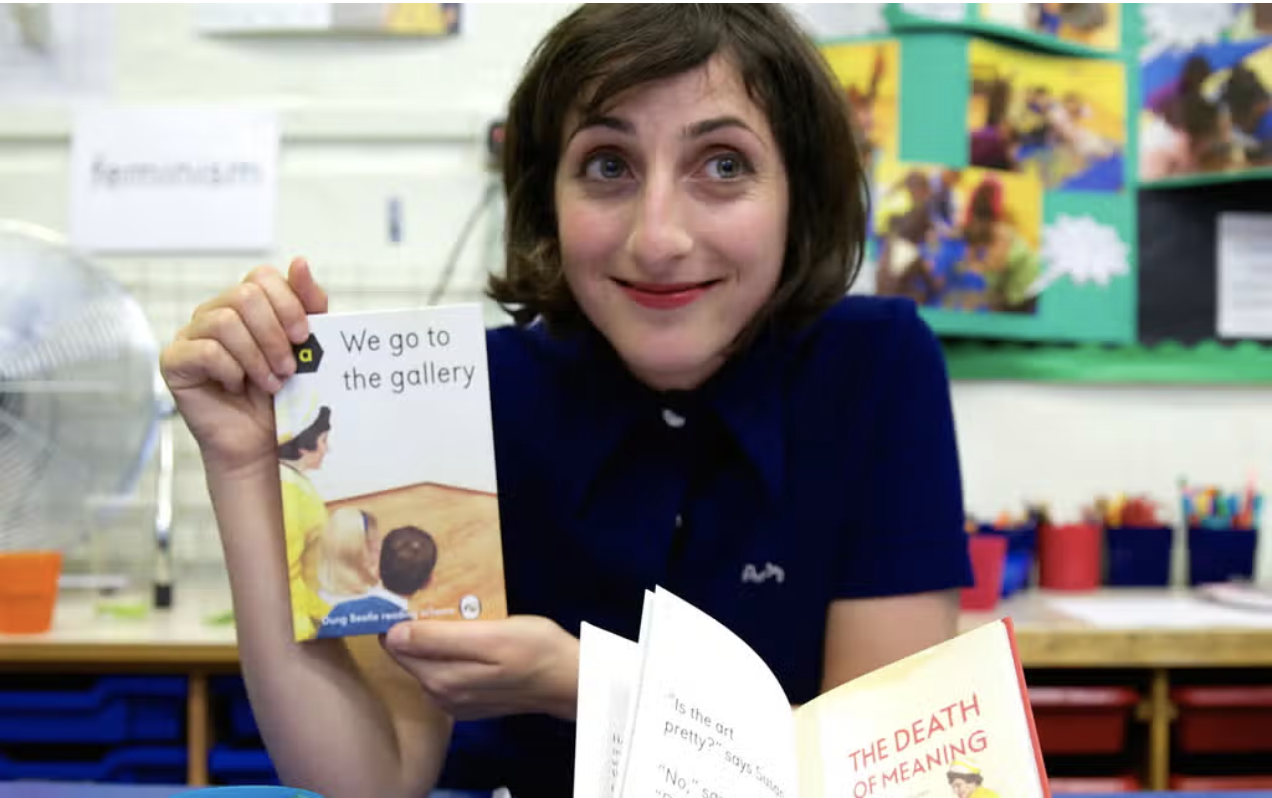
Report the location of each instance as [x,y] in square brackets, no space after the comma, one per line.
[672,368]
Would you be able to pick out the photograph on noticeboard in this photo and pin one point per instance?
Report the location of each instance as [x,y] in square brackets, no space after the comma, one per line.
[869,73]
[1095,25]
[957,239]
[1060,118]
[1205,109]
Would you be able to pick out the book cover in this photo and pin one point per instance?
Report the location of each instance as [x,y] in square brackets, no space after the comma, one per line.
[690,709]
[387,472]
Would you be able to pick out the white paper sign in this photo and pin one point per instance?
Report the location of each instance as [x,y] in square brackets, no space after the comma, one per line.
[174,180]
[1244,266]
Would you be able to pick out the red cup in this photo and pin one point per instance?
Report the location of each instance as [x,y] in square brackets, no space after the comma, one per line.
[1069,557]
[988,554]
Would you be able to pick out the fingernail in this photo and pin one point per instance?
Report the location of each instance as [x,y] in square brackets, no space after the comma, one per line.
[298,332]
[272,384]
[289,366]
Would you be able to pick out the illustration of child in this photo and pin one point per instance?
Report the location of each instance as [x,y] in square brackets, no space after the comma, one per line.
[302,447]
[408,556]
[350,556]
[998,252]
[967,781]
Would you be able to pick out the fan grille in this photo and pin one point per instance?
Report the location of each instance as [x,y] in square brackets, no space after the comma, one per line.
[78,375]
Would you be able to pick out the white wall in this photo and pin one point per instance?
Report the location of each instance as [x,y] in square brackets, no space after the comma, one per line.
[366,122]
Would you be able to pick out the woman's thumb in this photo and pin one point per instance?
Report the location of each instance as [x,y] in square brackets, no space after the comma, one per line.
[307,289]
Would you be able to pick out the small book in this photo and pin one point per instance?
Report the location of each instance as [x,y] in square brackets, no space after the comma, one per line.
[387,470]
[691,710]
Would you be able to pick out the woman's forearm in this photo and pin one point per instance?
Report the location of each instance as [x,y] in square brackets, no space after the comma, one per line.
[327,728]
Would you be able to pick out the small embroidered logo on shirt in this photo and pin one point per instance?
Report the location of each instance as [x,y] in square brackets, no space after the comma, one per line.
[752,574]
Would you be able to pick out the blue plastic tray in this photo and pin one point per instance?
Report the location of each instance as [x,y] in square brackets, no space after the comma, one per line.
[107,709]
[134,765]
[230,765]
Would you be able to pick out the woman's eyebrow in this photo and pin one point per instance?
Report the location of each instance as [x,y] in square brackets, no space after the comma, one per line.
[694,131]
[609,122]
[708,126]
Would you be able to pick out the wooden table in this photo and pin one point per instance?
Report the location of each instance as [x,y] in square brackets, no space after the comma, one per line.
[182,640]
[1217,637]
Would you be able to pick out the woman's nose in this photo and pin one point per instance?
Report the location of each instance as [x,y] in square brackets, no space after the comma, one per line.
[660,236]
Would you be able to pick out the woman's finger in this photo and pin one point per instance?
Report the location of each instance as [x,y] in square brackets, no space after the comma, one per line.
[256,310]
[224,327]
[287,306]
[188,363]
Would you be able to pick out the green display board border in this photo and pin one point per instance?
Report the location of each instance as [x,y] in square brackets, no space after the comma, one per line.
[1207,363]
[902,21]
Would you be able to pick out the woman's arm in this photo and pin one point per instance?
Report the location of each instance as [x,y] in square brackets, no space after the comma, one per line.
[863,635]
[339,717]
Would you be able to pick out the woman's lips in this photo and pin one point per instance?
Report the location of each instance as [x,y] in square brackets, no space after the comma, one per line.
[665,296]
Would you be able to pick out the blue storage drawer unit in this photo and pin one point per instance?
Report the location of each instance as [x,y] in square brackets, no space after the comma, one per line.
[230,766]
[131,765]
[234,709]
[107,709]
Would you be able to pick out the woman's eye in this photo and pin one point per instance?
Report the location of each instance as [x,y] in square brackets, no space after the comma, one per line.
[605,167]
[726,167]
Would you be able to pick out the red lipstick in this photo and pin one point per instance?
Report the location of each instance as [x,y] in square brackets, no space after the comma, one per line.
[665,296]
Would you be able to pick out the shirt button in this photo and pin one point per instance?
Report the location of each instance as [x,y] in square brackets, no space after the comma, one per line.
[673,419]
[680,521]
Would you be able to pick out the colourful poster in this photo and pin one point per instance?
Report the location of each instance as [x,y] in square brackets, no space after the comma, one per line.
[1094,25]
[1060,118]
[958,239]
[870,73]
[1205,81]
[1090,29]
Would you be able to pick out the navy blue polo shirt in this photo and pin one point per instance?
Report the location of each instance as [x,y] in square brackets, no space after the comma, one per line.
[816,466]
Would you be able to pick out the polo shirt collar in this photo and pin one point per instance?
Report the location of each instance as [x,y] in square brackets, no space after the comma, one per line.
[607,402]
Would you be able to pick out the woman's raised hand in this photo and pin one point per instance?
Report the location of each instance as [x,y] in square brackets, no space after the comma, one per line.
[225,365]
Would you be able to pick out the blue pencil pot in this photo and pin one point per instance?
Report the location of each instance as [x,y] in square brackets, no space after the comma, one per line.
[1221,555]
[1022,546]
[1138,556]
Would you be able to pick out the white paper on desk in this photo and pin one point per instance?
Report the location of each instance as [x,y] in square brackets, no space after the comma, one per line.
[180,179]
[1243,265]
[1157,612]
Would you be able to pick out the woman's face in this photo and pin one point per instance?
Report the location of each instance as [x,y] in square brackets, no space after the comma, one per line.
[672,214]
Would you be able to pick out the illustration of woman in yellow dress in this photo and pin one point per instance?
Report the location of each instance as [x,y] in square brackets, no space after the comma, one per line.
[302,446]
[967,782]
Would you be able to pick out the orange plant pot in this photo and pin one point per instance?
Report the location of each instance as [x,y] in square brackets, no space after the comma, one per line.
[28,590]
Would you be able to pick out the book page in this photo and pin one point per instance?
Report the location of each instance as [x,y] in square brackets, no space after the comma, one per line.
[608,669]
[940,724]
[629,726]
[711,720]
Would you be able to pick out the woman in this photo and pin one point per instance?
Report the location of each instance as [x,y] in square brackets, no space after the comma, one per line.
[686,392]
[302,446]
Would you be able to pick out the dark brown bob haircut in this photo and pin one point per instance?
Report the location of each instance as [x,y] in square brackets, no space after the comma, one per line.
[598,52]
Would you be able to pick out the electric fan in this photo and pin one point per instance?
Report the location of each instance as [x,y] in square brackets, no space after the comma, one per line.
[79,391]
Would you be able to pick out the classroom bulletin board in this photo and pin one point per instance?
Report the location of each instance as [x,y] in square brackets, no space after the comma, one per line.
[1064,188]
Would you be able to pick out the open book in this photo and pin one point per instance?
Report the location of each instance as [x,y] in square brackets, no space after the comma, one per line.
[387,470]
[692,711]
